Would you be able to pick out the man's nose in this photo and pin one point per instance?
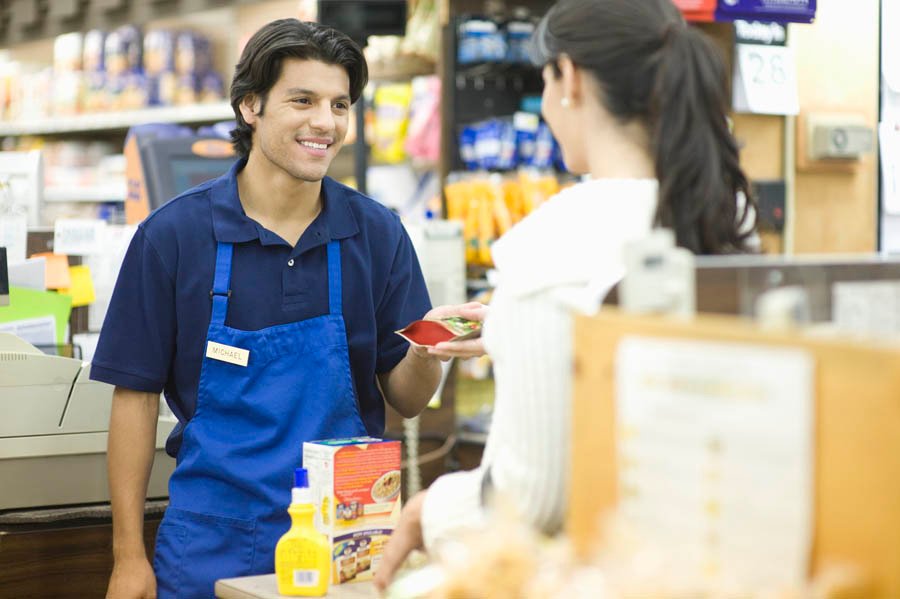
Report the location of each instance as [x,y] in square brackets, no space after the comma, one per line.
[322,118]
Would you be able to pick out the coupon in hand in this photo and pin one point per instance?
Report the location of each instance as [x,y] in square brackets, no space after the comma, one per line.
[431,332]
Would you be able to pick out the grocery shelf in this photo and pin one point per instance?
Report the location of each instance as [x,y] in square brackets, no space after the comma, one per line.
[112,121]
[99,193]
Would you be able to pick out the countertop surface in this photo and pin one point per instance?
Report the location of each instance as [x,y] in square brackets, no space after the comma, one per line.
[265,587]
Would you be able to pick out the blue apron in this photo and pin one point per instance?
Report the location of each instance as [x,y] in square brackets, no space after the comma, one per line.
[231,486]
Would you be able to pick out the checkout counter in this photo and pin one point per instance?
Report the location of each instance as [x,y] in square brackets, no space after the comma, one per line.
[55,518]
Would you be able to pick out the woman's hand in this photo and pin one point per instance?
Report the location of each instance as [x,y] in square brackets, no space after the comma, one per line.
[406,537]
[467,348]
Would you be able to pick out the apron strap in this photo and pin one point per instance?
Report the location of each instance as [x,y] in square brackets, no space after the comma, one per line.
[335,292]
[221,290]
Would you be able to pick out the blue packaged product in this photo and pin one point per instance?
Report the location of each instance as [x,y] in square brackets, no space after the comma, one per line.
[543,147]
[192,54]
[518,34]
[159,51]
[123,51]
[526,125]
[467,154]
[93,51]
[212,88]
[507,155]
[530,103]
[480,40]
[487,144]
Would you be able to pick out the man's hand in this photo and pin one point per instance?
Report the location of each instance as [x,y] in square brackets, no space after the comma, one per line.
[467,348]
[132,579]
[406,537]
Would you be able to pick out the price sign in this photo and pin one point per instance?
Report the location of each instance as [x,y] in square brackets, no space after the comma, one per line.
[765,80]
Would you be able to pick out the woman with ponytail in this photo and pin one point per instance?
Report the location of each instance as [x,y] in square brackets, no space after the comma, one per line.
[637,100]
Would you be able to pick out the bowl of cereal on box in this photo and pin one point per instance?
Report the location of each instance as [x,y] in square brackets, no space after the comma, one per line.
[387,487]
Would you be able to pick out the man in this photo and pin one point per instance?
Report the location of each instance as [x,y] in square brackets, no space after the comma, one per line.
[264,304]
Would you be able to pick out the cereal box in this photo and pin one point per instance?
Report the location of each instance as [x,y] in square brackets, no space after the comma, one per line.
[356,486]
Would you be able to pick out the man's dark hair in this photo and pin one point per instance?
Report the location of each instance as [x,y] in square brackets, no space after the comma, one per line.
[261,61]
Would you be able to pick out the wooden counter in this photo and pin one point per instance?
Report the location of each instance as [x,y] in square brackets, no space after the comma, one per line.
[265,587]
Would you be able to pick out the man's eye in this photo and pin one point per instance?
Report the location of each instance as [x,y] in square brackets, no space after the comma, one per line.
[341,105]
[302,100]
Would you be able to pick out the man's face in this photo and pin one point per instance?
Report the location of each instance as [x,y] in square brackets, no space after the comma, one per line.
[305,118]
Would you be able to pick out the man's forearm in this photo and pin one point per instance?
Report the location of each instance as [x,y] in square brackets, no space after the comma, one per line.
[132,443]
[412,382]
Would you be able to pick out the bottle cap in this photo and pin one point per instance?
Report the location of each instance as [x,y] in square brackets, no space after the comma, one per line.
[301,478]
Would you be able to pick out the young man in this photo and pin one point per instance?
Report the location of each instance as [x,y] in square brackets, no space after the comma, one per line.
[264,304]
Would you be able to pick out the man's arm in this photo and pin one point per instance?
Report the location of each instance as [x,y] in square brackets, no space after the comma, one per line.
[132,443]
[412,382]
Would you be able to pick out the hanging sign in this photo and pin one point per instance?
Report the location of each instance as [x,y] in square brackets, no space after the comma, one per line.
[697,10]
[760,32]
[782,11]
[765,80]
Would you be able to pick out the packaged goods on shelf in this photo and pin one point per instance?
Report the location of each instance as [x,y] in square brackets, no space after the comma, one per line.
[107,71]
[508,142]
[488,205]
[392,103]
[423,141]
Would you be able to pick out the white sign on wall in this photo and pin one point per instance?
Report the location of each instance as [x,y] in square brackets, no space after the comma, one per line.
[765,80]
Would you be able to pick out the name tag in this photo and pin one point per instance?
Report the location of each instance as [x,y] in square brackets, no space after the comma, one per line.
[226,353]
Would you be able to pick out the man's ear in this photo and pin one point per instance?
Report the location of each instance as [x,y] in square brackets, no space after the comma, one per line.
[250,108]
[572,84]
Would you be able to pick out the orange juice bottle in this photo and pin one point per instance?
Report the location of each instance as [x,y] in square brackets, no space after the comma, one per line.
[303,554]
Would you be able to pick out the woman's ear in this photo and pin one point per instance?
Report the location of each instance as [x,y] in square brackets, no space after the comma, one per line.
[572,84]
[250,108]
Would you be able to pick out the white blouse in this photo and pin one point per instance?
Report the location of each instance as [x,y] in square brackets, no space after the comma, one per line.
[562,258]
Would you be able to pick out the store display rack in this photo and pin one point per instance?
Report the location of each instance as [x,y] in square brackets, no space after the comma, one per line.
[116,121]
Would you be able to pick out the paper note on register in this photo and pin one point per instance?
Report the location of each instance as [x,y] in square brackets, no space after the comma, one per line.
[716,458]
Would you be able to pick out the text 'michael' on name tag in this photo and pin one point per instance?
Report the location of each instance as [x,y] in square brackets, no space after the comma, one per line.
[227,353]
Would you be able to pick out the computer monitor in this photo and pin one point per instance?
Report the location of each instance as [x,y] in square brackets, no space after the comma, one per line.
[361,18]
[158,169]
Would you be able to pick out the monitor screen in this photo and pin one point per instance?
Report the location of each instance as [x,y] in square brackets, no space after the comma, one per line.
[189,170]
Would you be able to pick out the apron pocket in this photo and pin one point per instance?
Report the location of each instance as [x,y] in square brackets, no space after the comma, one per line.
[167,558]
[206,548]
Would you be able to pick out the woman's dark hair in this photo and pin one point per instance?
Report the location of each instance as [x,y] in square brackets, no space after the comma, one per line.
[260,65]
[653,68]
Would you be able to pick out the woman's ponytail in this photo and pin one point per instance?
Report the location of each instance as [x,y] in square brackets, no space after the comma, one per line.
[696,156]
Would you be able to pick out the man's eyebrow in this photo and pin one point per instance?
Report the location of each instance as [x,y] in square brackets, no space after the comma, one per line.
[299,91]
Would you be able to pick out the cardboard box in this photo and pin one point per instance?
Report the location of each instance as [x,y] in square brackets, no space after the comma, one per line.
[356,485]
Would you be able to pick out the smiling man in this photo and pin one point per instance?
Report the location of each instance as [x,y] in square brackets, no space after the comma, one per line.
[263,303]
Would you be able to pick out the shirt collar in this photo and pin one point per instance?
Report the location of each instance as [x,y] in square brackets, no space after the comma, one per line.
[232,225]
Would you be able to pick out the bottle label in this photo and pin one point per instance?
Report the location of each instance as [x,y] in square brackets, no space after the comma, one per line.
[306,578]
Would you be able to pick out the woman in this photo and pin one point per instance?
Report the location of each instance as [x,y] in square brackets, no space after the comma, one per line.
[637,100]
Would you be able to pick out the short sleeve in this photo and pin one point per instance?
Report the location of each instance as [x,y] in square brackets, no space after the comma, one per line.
[405,299]
[137,339]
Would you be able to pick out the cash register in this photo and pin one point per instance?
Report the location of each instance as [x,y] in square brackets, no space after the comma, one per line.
[53,431]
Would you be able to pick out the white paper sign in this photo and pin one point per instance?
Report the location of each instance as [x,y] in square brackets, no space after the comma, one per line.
[14,237]
[765,80]
[889,141]
[715,445]
[36,331]
[78,237]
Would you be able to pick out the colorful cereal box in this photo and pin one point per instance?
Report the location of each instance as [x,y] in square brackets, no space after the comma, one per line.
[356,485]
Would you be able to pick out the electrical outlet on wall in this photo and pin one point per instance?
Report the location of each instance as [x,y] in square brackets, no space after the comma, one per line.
[838,136]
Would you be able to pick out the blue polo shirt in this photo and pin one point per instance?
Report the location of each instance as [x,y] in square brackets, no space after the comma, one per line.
[154,335]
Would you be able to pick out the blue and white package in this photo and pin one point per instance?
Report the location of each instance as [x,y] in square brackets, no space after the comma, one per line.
[507,158]
[518,34]
[480,40]
[467,147]
[487,144]
[526,126]
[543,147]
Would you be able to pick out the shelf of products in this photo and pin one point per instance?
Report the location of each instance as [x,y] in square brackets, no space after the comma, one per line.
[100,193]
[113,121]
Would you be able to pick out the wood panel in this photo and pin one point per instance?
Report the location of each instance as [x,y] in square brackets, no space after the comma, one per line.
[857,446]
[837,66]
[71,562]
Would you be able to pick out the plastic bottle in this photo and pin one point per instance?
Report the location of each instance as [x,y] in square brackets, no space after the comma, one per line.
[303,554]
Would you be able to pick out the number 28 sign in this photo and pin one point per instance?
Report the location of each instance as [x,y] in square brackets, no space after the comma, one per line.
[765,80]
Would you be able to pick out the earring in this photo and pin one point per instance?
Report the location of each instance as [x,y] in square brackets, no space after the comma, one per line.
[565,102]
